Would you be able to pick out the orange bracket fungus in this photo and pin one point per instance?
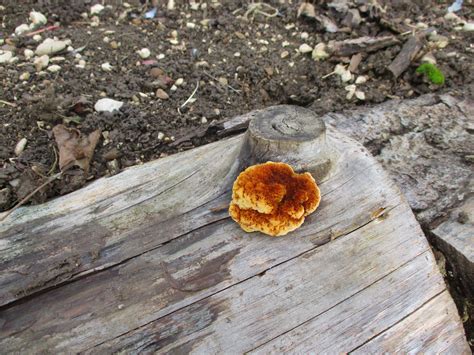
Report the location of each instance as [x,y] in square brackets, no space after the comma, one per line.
[271,198]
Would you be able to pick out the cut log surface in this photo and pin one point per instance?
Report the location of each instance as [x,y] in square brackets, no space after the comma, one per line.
[149,260]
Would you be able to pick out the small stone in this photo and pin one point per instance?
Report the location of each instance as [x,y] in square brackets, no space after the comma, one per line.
[97,9]
[285,44]
[305,48]
[144,53]
[28,53]
[37,38]
[37,19]
[161,94]
[106,39]
[351,91]
[203,120]
[468,27]
[179,82]
[156,72]
[54,68]
[319,52]
[361,79]
[106,67]
[50,46]
[269,71]
[81,64]
[114,44]
[428,58]
[237,54]
[25,76]
[190,25]
[107,105]
[160,56]
[174,88]
[20,146]
[23,28]
[284,54]
[161,135]
[5,56]
[41,62]
[304,35]
[346,76]
[360,95]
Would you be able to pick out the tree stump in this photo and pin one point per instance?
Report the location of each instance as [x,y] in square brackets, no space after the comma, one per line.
[149,260]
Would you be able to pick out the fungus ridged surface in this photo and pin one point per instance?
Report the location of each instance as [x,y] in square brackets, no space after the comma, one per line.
[271,198]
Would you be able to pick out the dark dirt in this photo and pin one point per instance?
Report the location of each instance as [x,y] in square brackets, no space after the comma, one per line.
[229,84]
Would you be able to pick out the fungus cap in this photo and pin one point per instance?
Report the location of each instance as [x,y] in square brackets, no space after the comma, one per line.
[273,199]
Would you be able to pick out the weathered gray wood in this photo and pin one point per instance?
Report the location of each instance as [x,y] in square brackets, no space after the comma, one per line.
[408,337]
[366,314]
[292,135]
[148,258]
[455,238]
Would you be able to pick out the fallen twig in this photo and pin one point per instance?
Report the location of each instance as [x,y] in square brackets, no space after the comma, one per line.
[7,103]
[49,28]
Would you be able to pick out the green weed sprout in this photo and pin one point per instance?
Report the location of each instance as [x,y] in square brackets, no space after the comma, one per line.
[432,72]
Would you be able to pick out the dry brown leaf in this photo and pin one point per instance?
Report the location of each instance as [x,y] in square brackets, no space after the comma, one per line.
[74,149]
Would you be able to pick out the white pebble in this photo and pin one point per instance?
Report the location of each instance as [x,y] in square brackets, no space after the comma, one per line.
[361,79]
[41,62]
[37,38]
[237,54]
[50,46]
[160,56]
[319,52]
[304,35]
[179,82]
[161,135]
[107,67]
[5,56]
[284,54]
[108,105]
[174,88]
[37,19]
[97,9]
[23,28]
[468,26]
[360,95]
[190,25]
[54,68]
[81,64]
[20,146]
[144,53]
[28,53]
[203,120]
[305,48]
